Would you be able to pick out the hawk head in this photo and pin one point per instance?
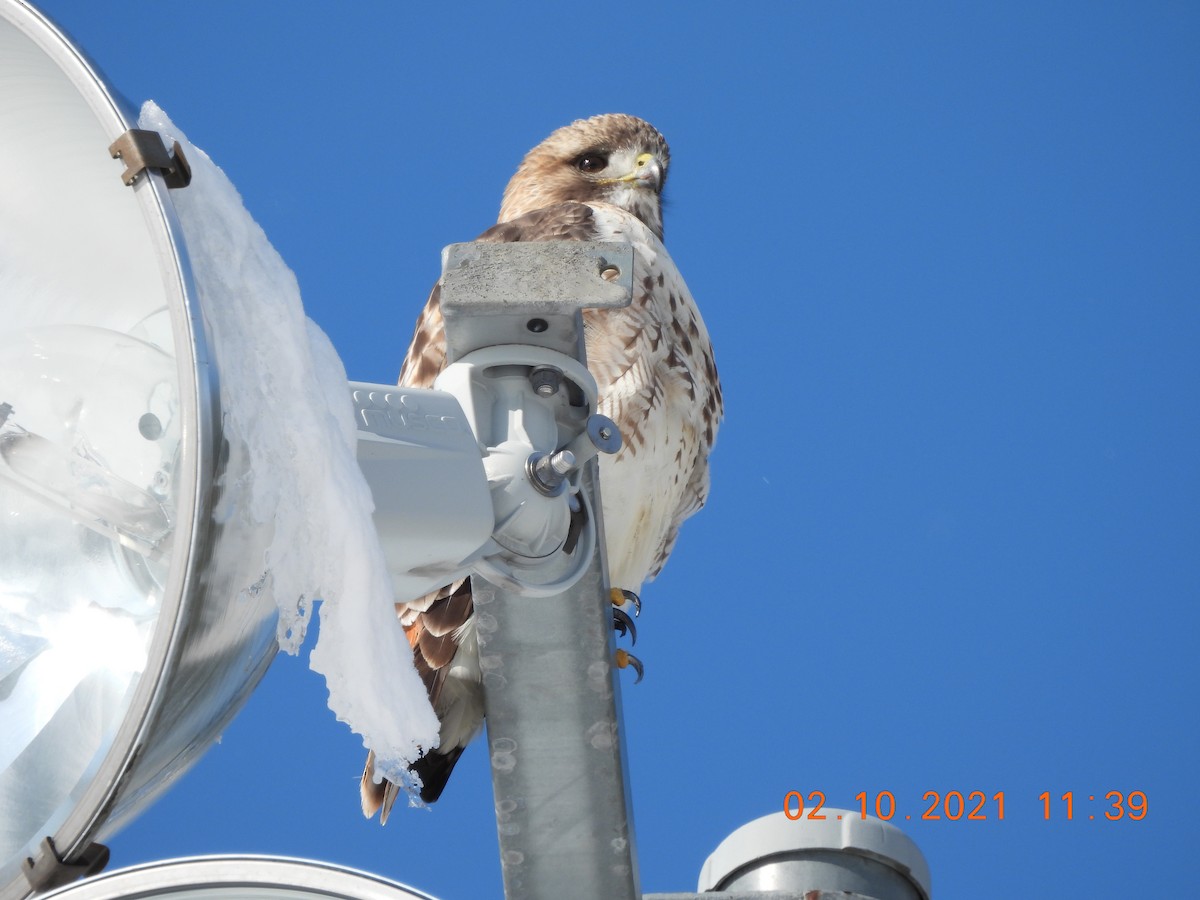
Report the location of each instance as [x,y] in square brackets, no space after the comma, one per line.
[613,158]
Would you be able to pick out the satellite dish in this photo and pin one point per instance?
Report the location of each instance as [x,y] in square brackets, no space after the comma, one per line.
[124,646]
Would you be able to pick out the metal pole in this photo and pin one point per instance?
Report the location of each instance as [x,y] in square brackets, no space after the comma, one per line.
[551,692]
[552,700]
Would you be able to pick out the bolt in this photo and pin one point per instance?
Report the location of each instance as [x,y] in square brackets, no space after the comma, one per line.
[548,471]
[600,435]
[562,462]
[545,380]
[604,433]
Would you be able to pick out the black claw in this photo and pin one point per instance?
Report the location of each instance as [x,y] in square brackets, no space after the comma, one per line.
[623,625]
[626,660]
[627,597]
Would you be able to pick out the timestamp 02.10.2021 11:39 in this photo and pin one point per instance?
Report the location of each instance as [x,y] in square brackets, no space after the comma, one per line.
[977,806]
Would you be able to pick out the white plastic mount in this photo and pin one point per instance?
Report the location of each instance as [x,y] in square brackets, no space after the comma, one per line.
[482,474]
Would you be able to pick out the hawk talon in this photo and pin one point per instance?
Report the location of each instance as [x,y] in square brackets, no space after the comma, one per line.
[619,597]
[623,625]
[625,660]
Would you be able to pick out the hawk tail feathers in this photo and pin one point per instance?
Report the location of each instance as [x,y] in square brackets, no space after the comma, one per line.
[433,769]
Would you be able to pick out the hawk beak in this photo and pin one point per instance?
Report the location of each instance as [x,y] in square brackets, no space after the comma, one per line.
[647,173]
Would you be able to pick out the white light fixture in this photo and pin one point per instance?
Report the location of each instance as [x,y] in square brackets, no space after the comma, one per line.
[114,670]
[239,878]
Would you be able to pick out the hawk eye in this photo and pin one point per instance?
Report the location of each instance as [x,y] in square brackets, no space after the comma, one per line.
[591,162]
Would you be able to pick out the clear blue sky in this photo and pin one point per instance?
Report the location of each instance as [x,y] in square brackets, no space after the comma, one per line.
[948,254]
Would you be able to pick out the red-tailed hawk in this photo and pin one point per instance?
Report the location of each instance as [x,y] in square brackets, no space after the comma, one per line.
[597,179]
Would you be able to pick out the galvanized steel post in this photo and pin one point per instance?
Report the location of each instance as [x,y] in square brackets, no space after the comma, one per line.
[551,691]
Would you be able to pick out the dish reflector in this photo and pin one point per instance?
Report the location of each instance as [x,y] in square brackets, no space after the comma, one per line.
[121,656]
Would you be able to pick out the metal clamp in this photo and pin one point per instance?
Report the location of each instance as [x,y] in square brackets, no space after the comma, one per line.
[51,871]
[141,150]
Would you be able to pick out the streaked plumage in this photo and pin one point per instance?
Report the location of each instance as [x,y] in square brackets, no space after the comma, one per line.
[596,179]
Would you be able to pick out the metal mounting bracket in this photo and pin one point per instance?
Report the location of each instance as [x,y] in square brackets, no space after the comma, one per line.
[50,871]
[529,293]
[141,150]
